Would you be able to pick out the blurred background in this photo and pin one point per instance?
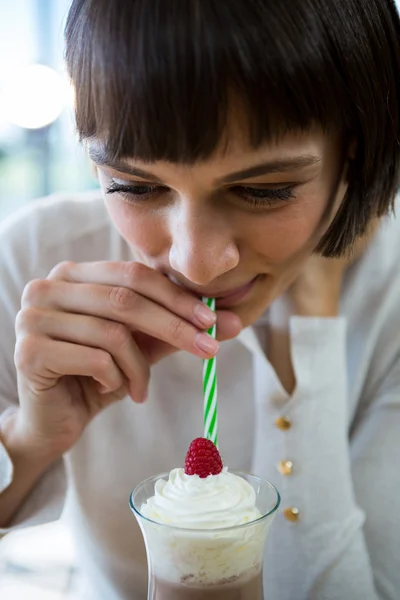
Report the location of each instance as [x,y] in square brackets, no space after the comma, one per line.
[39,154]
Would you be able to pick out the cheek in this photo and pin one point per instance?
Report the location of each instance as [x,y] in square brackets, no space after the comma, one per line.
[142,232]
[281,236]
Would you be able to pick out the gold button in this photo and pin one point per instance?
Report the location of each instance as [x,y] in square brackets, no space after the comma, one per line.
[283,423]
[285,467]
[291,514]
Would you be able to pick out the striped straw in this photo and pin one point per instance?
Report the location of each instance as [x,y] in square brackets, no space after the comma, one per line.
[210,387]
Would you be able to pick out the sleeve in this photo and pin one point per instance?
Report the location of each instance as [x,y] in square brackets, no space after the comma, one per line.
[345,543]
[46,501]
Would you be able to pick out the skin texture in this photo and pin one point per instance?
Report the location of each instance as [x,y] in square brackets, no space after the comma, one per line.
[209,238]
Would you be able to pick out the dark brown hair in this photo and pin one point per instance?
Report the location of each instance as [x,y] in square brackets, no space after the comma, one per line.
[152,80]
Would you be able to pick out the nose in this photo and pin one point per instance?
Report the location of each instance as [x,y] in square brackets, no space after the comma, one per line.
[202,245]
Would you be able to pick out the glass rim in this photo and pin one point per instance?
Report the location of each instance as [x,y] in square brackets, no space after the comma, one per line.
[263,517]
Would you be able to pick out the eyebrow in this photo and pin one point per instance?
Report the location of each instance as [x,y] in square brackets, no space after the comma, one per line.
[282,165]
[99,156]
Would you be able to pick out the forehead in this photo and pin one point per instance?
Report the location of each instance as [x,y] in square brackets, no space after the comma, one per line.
[234,151]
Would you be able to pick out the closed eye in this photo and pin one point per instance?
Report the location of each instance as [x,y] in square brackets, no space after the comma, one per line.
[264,196]
[256,197]
[141,191]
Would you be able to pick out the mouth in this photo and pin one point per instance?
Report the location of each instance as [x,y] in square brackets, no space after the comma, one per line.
[224,299]
[229,299]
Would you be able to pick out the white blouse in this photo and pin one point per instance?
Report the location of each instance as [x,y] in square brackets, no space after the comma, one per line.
[337,535]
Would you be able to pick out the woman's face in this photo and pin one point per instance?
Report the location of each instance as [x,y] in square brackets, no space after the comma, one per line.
[238,226]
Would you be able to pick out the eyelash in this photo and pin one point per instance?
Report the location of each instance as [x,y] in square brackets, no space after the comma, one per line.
[127,191]
[265,196]
[257,197]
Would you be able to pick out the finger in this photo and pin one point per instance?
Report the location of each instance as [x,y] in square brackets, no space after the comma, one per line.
[84,330]
[229,326]
[143,280]
[43,362]
[124,306]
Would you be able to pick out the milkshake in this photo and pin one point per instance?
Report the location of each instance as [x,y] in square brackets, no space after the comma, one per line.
[205,529]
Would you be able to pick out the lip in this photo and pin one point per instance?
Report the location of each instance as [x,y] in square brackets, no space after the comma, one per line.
[223,298]
[229,299]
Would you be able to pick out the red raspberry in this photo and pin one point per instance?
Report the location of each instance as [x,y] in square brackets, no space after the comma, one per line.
[203,458]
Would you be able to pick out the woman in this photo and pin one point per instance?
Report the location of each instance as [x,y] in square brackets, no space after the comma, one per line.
[247,151]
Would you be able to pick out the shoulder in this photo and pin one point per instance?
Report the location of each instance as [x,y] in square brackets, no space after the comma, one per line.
[383,254]
[50,230]
[378,268]
[55,219]
[371,303]
[59,227]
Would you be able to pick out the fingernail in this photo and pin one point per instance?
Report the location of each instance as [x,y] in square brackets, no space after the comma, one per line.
[138,399]
[144,397]
[205,315]
[103,389]
[206,343]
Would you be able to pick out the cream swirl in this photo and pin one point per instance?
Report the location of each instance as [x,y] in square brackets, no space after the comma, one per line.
[188,501]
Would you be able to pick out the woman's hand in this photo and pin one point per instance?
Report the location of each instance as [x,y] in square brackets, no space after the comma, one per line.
[88,335]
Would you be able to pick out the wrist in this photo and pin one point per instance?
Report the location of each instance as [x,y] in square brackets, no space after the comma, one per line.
[24,452]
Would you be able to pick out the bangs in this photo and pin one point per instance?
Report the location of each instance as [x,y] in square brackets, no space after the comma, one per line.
[154,79]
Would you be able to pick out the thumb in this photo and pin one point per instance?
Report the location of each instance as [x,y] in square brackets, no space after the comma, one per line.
[229,325]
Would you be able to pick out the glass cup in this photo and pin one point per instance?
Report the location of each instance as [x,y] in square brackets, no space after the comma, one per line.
[190,564]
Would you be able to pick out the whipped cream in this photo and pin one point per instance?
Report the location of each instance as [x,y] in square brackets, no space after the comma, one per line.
[203,546]
[191,502]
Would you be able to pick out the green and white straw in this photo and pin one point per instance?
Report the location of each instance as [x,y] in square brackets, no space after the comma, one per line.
[210,387]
